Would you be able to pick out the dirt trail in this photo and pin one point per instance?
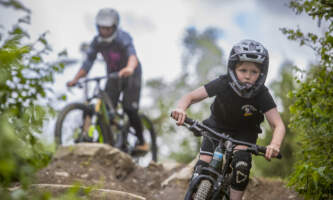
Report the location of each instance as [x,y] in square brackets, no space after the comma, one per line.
[104,167]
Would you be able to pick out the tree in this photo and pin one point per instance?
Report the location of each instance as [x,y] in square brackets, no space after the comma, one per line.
[202,61]
[25,80]
[312,110]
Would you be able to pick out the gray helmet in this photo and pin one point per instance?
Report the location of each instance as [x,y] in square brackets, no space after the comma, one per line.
[251,51]
[107,17]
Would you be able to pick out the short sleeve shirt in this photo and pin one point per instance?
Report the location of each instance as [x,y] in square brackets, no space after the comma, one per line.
[115,53]
[232,113]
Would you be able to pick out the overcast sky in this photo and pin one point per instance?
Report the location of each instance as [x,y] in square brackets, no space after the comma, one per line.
[158,27]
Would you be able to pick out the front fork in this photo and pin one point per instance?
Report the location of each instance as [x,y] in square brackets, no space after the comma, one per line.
[216,173]
[89,126]
[217,183]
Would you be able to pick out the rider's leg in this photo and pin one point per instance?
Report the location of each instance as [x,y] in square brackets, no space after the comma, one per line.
[241,165]
[206,153]
[235,194]
[136,123]
[113,88]
[131,105]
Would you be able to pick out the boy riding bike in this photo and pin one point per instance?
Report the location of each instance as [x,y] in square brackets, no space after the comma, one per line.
[119,53]
[241,102]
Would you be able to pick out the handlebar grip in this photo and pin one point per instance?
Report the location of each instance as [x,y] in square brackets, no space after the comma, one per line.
[263,150]
[189,121]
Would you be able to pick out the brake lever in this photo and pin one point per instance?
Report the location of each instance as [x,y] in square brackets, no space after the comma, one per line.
[195,129]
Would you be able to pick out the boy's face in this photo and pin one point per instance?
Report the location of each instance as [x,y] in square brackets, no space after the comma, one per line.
[247,72]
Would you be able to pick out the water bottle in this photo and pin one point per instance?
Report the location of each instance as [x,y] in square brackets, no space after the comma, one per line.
[217,160]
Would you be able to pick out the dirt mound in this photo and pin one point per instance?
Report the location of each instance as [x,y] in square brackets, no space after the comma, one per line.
[101,166]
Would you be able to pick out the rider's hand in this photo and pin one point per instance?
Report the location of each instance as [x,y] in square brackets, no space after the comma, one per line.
[71,83]
[125,72]
[272,151]
[179,115]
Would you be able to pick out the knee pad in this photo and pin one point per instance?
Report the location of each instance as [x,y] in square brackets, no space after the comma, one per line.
[241,165]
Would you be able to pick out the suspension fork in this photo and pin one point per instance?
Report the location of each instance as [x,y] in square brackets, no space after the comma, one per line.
[89,122]
[87,119]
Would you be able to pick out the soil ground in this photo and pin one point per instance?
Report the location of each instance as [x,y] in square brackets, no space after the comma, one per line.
[145,182]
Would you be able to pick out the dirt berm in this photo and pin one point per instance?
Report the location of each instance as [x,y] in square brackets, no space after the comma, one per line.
[113,175]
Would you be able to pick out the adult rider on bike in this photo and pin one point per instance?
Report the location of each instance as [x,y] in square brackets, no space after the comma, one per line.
[119,54]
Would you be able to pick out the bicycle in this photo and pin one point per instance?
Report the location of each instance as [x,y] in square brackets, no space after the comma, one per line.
[97,120]
[213,182]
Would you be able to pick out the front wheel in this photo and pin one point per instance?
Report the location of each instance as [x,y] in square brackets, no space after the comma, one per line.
[78,122]
[203,190]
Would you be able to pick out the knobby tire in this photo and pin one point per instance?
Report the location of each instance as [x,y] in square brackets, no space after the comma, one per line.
[203,190]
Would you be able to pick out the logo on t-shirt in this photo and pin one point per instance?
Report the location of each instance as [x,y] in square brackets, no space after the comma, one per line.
[248,110]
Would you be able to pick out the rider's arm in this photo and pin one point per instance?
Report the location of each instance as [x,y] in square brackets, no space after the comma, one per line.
[193,97]
[81,73]
[132,63]
[90,55]
[276,123]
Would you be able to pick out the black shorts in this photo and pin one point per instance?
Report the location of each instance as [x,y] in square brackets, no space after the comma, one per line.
[208,145]
[131,88]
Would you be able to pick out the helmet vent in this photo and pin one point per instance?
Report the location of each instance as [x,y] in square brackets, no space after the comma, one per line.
[252,56]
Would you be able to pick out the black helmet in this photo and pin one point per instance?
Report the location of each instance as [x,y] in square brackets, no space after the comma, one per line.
[251,51]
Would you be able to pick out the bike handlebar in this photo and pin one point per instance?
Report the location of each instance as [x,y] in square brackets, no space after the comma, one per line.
[113,75]
[253,148]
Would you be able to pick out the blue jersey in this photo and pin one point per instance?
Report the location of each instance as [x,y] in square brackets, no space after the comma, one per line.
[115,53]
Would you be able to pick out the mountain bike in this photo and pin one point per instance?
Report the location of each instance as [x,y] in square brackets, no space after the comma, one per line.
[97,120]
[213,182]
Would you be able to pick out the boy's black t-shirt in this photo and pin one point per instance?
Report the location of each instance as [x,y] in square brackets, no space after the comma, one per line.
[237,116]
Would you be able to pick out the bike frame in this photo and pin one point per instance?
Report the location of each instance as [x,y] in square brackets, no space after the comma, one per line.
[100,107]
[114,119]
[219,175]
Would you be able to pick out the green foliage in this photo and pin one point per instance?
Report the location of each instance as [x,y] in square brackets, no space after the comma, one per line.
[280,89]
[202,62]
[14,4]
[312,118]
[186,155]
[25,81]
[312,110]
[12,155]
